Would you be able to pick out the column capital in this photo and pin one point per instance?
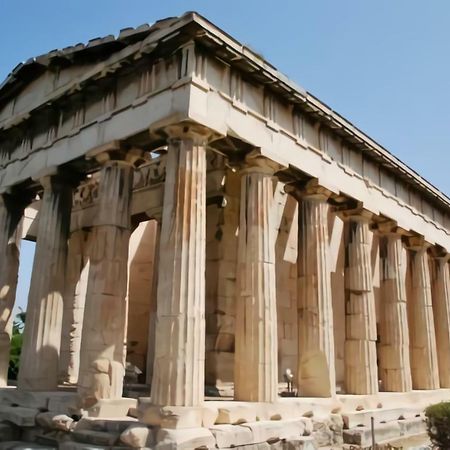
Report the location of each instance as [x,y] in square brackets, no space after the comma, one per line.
[440,253]
[416,243]
[356,214]
[308,189]
[55,176]
[15,198]
[116,151]
[389,227]
[199,134]
[255,162]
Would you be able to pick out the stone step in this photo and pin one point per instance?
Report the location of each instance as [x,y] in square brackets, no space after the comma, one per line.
[414,442]
[102,438]
[72,445]
[9,432]
[115,425]
[23,445]
[362,436]
[363,418]
[20,416]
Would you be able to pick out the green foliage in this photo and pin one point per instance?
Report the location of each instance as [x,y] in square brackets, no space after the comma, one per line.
[16,345]
[438,424]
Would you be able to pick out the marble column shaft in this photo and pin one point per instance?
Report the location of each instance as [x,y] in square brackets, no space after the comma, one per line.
[441,311]
[178,372]
[316,367]
[102,365]
[256,338]
[395,367]
[424,362]
[361,375]
[42,334]
[11,212]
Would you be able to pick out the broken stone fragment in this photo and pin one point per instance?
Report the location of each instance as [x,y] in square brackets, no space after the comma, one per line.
[52,421]
[137,436]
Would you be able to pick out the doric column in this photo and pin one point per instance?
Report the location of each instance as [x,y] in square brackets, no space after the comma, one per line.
[440,284]
[105,318]
[394,362]
[361,375]
[11,212]
[42,334]
[316,369]
[424,363]
[74,301]
[178,373]
[256,358]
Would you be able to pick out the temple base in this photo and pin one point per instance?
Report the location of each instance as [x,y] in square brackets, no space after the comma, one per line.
[49,419]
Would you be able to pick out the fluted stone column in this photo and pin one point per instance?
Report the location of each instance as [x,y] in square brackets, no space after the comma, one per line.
[256,339]
[440,283]
[316,375]
[395,367]
[102,364]
[424,362]
[11,212]
[178,372]
[74,302]
[42,335]
[361,375]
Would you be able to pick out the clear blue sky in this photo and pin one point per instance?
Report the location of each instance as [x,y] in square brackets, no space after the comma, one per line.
[383,64]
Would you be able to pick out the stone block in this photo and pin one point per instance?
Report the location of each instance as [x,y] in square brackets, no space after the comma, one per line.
[231,435]
[96,437]
[62,402]
[363,418]
[209,415]
[72,445]
[362,435]
[9,432]
[303,443]
[22,445]
[322,433]
[118,407]
[23,417]
[26,399]
[116,425]
[186,439]
[416,425]
[51,421]
[171,417]
[266,430]
[236,414]
[137,436]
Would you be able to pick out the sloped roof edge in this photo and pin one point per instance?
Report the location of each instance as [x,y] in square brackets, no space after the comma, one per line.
[295,92]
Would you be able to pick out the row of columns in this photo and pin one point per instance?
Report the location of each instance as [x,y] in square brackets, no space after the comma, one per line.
[409,356]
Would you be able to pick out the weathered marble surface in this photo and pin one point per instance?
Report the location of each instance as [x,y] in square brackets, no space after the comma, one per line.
[256,356]
[424,361]
[11,211]
[178,374]
[103,347]
[316,361]
[440,284]
[361,374]
[394,359]
[42,334]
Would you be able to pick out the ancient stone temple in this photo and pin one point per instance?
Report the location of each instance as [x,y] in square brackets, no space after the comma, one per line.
[206,230]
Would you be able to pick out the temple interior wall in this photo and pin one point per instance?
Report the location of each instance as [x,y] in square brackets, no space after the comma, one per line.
[222,224]
[337,257]
[141,266]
